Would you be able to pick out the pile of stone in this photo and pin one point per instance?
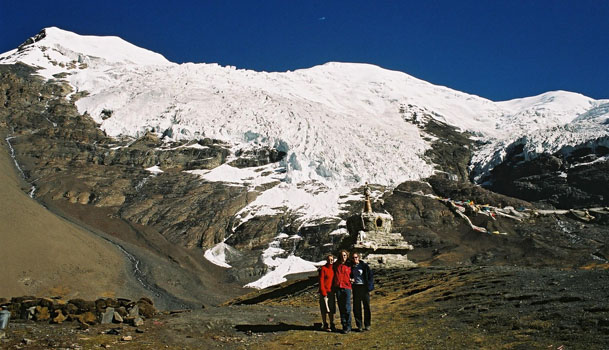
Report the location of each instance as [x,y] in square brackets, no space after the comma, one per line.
[85,312]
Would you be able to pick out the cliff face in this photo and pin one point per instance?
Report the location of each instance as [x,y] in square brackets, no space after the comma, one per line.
[572,177]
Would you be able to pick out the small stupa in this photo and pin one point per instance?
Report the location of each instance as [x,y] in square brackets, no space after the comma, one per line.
[374,239]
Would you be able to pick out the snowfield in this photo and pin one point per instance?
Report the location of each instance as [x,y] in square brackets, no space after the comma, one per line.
[340,124]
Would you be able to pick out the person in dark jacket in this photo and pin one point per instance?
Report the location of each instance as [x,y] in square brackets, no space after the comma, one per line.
[362,284]
[327,303]
[342,287]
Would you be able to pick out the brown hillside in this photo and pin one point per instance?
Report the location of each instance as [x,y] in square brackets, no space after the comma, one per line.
[43,254]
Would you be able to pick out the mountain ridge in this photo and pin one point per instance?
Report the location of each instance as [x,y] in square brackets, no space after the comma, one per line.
[205,99]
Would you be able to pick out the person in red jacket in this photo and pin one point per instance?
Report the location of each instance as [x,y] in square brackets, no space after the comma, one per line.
[327,303]
[342,288]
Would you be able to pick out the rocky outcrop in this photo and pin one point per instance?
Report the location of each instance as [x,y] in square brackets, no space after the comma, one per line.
[257,157]
[425,218]
[573,177]
[450,148]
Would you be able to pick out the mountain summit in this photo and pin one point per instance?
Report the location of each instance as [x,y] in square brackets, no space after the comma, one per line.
[59,46]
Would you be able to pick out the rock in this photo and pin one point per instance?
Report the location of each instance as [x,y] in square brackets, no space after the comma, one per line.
[114,331]
[88,318]
[83,197]
[124,302]
[107,316]
[568,178]
[82,305]
[257,157]
[121,311]
[134,311]
[20,300]
[42,313]
[112,303]
[100,305]
[30,311]
[126,338]
[46,302]
[59,317]
[146,309]
[146,300]
[70,309]
[117,317]
[27,341]
[112,200]
[137,322]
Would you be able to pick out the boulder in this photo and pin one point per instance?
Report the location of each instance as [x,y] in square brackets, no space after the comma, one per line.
[83,305]
[121,311]
[100,305]
[87,317]
[42,313]
[146,309]
[134,311]
[107,316]
[136,321]
[58,317]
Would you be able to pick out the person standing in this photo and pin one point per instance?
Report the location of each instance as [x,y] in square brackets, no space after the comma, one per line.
[363,284]
[327,302]
[342,288]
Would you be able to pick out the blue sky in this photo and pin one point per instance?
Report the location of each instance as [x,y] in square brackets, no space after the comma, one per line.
[495,49]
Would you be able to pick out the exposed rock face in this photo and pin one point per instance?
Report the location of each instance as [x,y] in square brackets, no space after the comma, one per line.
[441,237]
[573,177]
[450,148]
[66,157]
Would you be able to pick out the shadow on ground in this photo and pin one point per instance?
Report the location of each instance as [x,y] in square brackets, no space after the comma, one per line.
[266,328]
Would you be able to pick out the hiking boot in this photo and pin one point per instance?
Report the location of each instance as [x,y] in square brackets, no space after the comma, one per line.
[367,328]
[325,327]
[332,327]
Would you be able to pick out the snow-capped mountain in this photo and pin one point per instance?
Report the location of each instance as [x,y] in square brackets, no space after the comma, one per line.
[336,126]
[335,121]
[340,124]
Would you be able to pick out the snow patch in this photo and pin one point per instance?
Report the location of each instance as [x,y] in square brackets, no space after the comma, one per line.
[220,254]
[155,170]
[280,267]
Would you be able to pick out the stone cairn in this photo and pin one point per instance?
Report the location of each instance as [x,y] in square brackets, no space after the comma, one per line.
[375,241]
[85,312]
